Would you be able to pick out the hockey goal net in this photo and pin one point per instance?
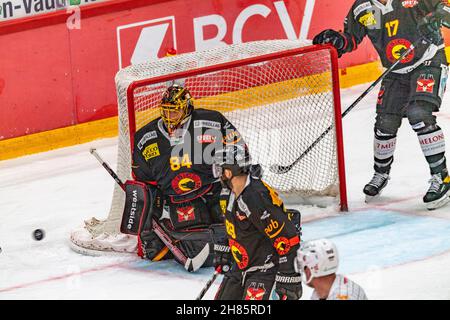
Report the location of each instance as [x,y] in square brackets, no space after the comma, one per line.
[280,94]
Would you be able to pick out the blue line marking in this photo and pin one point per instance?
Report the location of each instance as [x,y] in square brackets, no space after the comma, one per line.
[381,239]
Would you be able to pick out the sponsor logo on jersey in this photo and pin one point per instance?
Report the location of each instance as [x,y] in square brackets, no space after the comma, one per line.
[207,124]
[148,136]
[206,138]
[223,206]
[255,291]
[265,215]
[240,216]
[151,151]
[368,20]
[231,230]
[239,253]
[396,47]
[282,245]
[362,7]
[185,182]
[186,214]
[410,3]
[425,83]
[232,137]
[273,229]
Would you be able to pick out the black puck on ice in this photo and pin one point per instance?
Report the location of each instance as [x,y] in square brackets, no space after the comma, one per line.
[38,234]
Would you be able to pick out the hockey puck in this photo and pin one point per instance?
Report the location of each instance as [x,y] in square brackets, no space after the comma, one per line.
[38,234]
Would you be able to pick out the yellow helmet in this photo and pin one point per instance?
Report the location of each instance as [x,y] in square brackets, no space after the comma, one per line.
[176,98]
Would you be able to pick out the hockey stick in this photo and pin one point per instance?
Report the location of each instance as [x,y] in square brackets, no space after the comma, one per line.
[209,283]
[190,265]
[279,169]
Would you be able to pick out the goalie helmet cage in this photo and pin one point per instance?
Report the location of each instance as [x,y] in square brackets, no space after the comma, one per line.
[280,94]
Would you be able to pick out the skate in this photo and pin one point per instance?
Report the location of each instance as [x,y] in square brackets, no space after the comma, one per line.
[438,194]
[375,186]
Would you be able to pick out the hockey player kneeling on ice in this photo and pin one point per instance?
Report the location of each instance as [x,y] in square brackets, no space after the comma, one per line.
[258,259]
[415,87]
[173,156]
[319,261]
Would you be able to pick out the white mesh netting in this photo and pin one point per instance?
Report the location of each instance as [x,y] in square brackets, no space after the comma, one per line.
[280,106]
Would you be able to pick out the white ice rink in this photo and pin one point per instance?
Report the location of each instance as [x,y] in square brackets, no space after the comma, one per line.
[395,248]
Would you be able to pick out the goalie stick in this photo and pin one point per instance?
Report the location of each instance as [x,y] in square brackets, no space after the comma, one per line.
[279,169]
[190,264]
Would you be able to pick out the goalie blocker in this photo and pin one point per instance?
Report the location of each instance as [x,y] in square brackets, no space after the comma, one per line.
[157,239]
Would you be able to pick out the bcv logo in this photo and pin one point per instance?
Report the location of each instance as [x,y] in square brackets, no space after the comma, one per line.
[153,39]
[145,41]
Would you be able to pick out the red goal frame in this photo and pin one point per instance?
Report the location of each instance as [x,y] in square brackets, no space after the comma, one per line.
[208,69]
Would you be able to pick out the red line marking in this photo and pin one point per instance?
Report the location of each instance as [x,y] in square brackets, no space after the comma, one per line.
[63,276]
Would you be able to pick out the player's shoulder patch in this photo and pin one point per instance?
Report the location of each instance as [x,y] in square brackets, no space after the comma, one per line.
[360,7]
[147,137]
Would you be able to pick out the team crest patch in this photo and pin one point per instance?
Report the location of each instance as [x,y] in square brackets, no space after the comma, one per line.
[255,291]
[151,151]
[282,245]
[410,3]
[186,214]
[425,83]
[185,182]
[396,47]
[239,253]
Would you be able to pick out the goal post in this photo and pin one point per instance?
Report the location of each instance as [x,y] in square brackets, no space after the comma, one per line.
[280,94]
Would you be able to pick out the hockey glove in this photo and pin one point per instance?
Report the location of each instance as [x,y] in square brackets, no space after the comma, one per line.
[429,28]
[222,258]
[288,286]
[332,37]
[153,248]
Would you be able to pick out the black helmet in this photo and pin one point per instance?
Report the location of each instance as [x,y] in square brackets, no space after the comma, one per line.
[233,157]
[176,98]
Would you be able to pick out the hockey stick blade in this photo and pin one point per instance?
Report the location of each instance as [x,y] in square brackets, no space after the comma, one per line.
[196,263]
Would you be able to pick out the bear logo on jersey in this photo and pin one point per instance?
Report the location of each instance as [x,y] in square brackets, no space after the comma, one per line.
[395,49]
[239,253]
[185,182]
[425,83]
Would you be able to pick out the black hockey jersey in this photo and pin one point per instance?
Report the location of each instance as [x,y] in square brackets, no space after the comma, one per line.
[392,28]
[260,232]
[181,164]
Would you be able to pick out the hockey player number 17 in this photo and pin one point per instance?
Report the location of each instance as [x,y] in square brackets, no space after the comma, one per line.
[392,27]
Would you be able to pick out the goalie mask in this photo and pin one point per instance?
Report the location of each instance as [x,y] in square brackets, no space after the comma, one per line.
[320,256]
[176,105]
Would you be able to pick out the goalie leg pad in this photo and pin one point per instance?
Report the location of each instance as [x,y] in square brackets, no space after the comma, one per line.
[137,204]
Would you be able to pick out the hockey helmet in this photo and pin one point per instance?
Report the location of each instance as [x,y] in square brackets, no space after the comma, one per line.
[233,157]
[320,256]
[176,100]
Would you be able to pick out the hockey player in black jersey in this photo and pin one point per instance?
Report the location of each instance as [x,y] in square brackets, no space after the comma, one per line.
[414,89]
[263,237]
[173,154]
